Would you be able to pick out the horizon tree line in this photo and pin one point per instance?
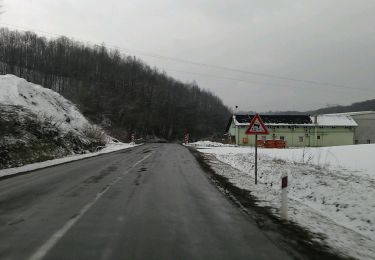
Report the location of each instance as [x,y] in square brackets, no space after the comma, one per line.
[117,91]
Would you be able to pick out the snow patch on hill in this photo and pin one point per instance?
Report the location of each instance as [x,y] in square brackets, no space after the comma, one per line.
[43,102]
[37,125]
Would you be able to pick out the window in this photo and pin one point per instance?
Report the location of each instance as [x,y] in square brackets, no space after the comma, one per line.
[245,140]
[300,139]
[318,137]
[282,138]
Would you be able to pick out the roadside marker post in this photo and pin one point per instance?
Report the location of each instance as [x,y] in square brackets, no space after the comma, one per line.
[284,196]
[256,127]
[186,138]
[133,138]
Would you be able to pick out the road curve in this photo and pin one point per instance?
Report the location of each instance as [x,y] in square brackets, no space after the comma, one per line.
[149,202]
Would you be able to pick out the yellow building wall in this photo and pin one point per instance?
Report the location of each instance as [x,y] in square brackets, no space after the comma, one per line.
[299,136]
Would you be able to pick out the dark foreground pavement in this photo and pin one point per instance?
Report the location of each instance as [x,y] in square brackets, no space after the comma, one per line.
[149,202]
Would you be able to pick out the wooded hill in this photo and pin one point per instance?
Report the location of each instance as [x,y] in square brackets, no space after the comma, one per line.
[368,105]
[119,92]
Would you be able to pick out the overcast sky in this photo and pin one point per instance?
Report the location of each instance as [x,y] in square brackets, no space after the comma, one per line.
[325,41]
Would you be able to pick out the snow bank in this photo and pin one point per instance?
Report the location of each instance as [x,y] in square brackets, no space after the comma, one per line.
[331,189]
[209,144]
[41,125]
[44,102]
[357,159]
[35,166]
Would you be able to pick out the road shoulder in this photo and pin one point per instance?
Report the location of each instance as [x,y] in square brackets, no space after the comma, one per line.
[296,240]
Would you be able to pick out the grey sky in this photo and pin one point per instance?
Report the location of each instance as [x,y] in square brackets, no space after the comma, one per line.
[322,40]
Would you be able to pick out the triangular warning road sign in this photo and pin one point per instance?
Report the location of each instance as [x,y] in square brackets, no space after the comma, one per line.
[257,127]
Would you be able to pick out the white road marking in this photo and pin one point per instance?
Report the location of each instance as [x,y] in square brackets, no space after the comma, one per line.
[52,241]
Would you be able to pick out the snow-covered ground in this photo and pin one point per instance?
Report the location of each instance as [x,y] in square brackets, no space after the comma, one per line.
[331,189]
[111,147]
[352,158]
[210,144]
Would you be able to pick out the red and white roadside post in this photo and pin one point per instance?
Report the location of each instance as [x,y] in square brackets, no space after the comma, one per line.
[133,138]
[256,128]
[186,138]
[284,196]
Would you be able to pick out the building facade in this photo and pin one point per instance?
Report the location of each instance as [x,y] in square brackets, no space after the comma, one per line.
[296,130]
[365,132]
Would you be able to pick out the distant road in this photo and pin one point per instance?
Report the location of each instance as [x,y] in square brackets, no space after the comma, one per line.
[148,202]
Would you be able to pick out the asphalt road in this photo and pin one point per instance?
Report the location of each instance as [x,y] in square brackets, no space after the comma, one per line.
[149,202]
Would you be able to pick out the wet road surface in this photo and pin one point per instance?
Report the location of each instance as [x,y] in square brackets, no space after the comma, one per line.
[149,202]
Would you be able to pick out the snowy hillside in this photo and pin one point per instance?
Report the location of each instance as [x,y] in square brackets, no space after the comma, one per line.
[43,102]
[37,124]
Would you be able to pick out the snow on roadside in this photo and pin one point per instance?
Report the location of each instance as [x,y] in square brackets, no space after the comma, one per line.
[331,195]
[209,144]
[355,159]
[111,147]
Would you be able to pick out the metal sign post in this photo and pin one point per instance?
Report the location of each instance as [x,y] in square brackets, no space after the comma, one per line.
[256,127]
[256,159]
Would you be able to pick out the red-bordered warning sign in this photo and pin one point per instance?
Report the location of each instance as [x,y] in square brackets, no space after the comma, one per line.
[257,127]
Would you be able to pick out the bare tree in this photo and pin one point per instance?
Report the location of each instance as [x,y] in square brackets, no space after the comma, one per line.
[118,92]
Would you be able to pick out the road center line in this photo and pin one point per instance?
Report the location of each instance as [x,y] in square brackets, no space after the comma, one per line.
[52,241]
